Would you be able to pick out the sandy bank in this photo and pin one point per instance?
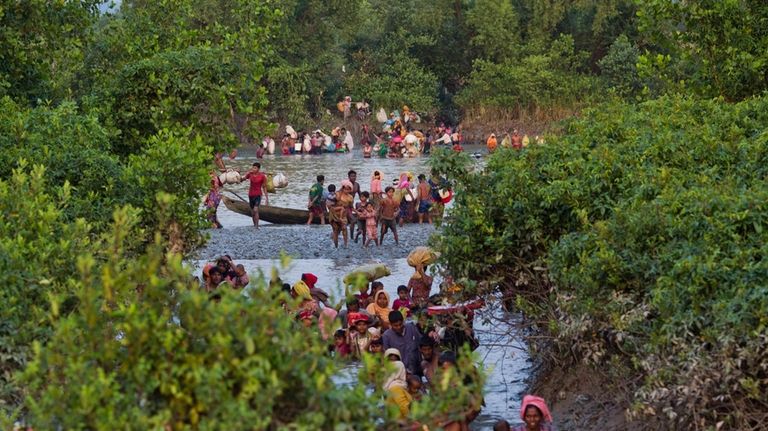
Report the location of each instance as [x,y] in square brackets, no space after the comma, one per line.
[305,242]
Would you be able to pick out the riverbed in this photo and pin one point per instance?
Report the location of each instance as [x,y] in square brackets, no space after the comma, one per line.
[501,352]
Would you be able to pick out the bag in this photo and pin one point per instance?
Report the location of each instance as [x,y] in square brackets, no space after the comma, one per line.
[421,256]
[280,181]
[230,177]
[367,272]
[270,184]
[381,116]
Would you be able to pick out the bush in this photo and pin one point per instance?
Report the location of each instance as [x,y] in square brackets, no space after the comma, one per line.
[549,80]
[73,147]
[38,247]
[635,240]
[172,167]
[618,68]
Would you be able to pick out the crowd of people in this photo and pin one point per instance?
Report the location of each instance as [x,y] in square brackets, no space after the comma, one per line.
[420,345]
[379,210]
[514,141]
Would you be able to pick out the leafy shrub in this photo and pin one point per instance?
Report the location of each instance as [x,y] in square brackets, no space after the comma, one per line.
[548,80]
[38,248]
[73,147]
[619,67]
[637,237]
[201,88]
[173,168]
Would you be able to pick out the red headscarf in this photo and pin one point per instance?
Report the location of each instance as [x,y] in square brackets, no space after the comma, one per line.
[539,403]
[310,279]
[353,317]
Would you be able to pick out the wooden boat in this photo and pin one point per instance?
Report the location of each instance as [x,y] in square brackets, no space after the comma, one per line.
[276,215]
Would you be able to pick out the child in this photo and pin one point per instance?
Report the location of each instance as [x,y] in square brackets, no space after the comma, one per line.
[367,150]
[359,338]
[241,277]
[414,386]
[402,303]
[363,297]
[330,198]
[376,347]
[389,210]
[375,287]
[360,209]
[340,347]
[370,225]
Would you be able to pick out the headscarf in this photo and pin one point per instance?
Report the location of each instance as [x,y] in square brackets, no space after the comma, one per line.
[404,180]
[347,183]
[354,317]
[310,279]
[302,291]
[539,403]
[381,312]
[397,378]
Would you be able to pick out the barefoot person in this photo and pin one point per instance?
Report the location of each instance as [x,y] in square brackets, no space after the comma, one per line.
[337,217]
[424,200]
[388,211]
[315,204]
[257,189]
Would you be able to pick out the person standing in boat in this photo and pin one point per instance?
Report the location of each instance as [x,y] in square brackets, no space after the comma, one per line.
[257,189]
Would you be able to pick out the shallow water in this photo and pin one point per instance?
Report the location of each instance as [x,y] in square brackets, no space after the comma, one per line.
[503,355]
[302,170]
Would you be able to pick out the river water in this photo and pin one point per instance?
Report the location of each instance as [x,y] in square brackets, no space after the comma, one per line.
[502,352]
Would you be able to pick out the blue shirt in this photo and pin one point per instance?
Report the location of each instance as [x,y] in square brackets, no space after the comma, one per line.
[407,344]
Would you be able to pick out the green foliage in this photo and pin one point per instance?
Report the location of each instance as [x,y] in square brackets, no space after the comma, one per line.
[171,170]
[638,235]
[543,81]
[718,48]
[197,88]
[399,80]
[179,64]
[42,46]
[38,247]
[74,148]
[496,29]
[148,348]
[619,67]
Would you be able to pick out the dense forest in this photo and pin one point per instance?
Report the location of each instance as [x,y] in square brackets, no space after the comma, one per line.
[635,238]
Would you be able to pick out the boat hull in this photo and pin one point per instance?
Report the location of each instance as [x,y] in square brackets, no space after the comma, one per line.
[275,215]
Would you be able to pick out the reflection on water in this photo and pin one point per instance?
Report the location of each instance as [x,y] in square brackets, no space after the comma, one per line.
[301,171]
[503,356]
